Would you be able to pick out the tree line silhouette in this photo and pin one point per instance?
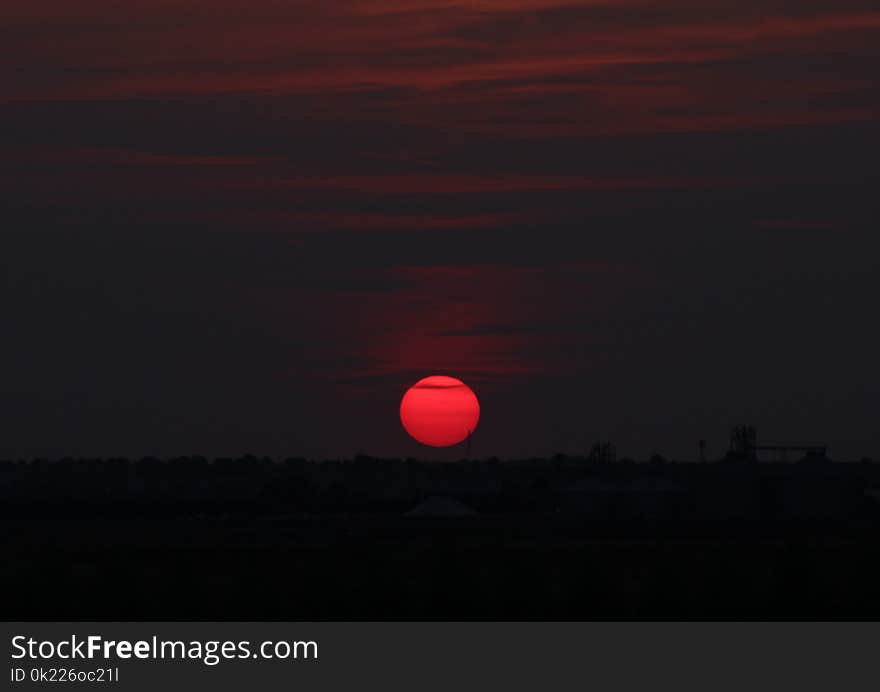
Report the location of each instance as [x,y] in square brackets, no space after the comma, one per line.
[593,486]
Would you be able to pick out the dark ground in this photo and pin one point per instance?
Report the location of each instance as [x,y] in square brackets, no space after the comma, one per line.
[552,539]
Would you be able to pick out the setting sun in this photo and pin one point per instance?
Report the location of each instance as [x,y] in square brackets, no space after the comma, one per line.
[440,411]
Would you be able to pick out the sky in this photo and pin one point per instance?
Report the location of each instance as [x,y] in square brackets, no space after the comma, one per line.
[236,228]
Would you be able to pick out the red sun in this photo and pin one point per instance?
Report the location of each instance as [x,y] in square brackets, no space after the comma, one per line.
[439,411]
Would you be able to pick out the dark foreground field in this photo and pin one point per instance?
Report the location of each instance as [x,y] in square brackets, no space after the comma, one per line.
[542,542]
[367,568]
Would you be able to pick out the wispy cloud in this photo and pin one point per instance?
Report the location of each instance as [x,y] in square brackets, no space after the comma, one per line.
[525,66]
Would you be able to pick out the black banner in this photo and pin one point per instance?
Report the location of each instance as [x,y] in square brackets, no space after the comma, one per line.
[436,656]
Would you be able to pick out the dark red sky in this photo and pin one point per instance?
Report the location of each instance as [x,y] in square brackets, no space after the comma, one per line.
[248,227]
